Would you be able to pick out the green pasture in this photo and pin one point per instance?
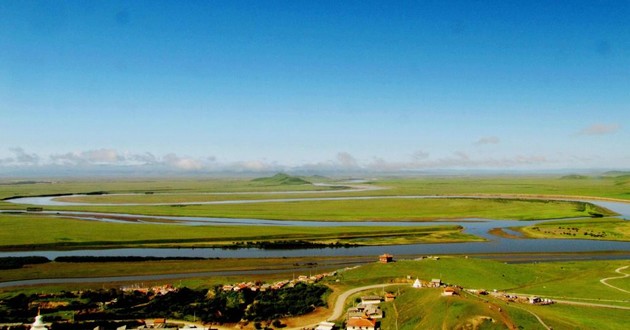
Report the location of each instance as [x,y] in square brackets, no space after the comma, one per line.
[205,189]
[602,186]
[32,231]
[380,209]
[576,280]
[566,279]
[613,229]
[281,265]
[413,308]
[36,187]
[562,316]
[427,309]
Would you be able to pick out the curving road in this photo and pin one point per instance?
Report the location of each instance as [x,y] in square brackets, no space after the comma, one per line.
[618,270]
[341,300]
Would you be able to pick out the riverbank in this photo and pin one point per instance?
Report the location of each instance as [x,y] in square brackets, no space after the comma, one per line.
[610,229]
[57,233]
[356,208]
[213,271]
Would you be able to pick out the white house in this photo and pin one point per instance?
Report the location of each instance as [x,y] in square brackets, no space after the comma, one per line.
[360,324]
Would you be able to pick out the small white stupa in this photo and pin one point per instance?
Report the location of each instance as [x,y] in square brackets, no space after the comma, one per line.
[417,284]
[38,324]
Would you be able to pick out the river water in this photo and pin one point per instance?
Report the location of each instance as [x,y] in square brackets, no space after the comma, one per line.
[479,227]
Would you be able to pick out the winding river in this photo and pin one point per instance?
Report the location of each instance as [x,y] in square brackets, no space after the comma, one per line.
[479,227]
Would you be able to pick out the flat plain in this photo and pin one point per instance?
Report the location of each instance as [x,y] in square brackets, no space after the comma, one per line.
[285,198]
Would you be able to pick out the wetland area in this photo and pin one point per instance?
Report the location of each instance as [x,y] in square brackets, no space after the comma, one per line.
[206,233]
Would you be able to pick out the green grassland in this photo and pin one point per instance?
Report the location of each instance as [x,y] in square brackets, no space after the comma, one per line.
[385,209]
[280,265]
[566,279]
[560,316]
[413,308]
[613,229]
[73,233]
[32,231]
[602,186]
[195,190]
[10,188]
[427,309]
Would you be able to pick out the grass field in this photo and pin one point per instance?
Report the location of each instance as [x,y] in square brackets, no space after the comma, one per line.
[32,231]
[613,229]
[414,308]
[195,190]
[96,269]
[438,312]
[381,209]
[607,185]
[427,309]
[551,278]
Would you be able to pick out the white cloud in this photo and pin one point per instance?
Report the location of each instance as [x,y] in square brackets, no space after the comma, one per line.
[103,156]
[24,158]
[487,140]
[458,159]
[600,129]
[346,160]
[20,158]
[182,163]
[253,165]
[146,158]
[343,161]
[112,157]
[89,157]
[420,155]
[111,160]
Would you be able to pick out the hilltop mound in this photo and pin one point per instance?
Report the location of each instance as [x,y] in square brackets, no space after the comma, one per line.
[617,173]
[574,177]
[281,179]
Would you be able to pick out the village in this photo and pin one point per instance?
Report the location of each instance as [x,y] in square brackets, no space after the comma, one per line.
[365,314]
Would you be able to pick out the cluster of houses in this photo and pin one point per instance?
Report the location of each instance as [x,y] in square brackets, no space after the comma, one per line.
[258,286]
[534,300]
[157,290]
[366,314]
[448,290]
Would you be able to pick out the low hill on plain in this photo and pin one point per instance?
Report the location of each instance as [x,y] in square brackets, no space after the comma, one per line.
[281,179]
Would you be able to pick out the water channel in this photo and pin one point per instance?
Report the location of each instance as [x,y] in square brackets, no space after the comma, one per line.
[479,227]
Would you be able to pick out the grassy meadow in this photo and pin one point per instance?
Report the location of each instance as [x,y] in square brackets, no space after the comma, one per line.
[413,308]
[613,229]
[24,232]
[518,198]
[280,265]
[282,186]
[609,185]
[427,309]
[557,279]
[385,209]
[384,205]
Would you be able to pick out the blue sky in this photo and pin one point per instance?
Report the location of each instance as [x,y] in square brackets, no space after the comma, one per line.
[314,85]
